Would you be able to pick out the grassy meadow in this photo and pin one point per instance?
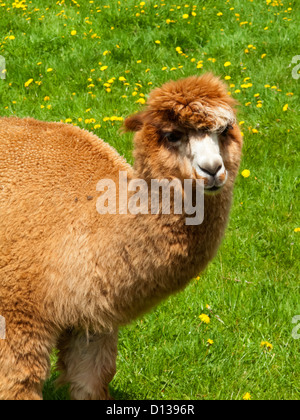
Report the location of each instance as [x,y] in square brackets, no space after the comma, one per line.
[91,64]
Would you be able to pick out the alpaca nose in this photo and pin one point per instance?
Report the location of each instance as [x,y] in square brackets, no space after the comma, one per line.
[211,167]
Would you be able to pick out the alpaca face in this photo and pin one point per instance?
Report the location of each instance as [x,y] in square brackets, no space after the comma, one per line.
[201,152]
[188,131]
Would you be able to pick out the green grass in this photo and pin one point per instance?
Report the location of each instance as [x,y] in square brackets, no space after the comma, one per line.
[253,283]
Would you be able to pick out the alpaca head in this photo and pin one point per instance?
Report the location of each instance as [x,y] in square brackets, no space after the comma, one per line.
[188,130]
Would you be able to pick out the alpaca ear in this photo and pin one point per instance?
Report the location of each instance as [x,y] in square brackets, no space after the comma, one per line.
[135,122]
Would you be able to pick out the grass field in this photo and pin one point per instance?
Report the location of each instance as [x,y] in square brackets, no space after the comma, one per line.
[92,63]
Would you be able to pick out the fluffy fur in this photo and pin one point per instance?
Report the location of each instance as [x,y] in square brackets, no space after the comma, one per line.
[70,277]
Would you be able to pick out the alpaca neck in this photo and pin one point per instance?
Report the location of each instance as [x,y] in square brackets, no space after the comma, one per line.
[178,238]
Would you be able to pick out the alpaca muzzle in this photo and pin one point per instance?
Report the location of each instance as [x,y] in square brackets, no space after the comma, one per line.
[207,161]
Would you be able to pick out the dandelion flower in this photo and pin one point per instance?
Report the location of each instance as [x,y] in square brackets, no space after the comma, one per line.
[49,70]
[73,33]
[157,42]
[269,346]
[246,173]
[285,108]
[210,342]
[28,82]
[247,397]
[227,64]
[185,16]
[204,318]
[297,230]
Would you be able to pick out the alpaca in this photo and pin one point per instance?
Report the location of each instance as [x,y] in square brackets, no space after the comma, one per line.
[70,277]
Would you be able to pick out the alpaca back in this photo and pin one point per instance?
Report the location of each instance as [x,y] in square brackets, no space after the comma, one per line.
[48,178]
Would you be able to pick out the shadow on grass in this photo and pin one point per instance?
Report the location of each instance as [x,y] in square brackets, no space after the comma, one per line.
[53,393]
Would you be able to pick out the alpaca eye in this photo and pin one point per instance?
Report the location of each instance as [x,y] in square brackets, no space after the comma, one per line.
[173,137]
[229,127]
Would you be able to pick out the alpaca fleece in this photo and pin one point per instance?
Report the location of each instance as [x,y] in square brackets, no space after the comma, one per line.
[70,277]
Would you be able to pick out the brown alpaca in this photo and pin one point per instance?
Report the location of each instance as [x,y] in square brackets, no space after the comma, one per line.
[70,277]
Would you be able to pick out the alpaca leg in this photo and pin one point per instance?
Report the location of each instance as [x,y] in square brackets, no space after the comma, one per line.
[24,359]
[87,363]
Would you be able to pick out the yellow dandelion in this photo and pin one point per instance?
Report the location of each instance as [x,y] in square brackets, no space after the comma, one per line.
[73,33]
[49,70]
[246,173]
[28,82]
[185,16]
[297,230]
[227,77]
[210,342]
[267,345]
[247,397]
[141,101]
[285,108]
[227,64]
[103,68]
[46,98]
[204,318]
[157,42]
